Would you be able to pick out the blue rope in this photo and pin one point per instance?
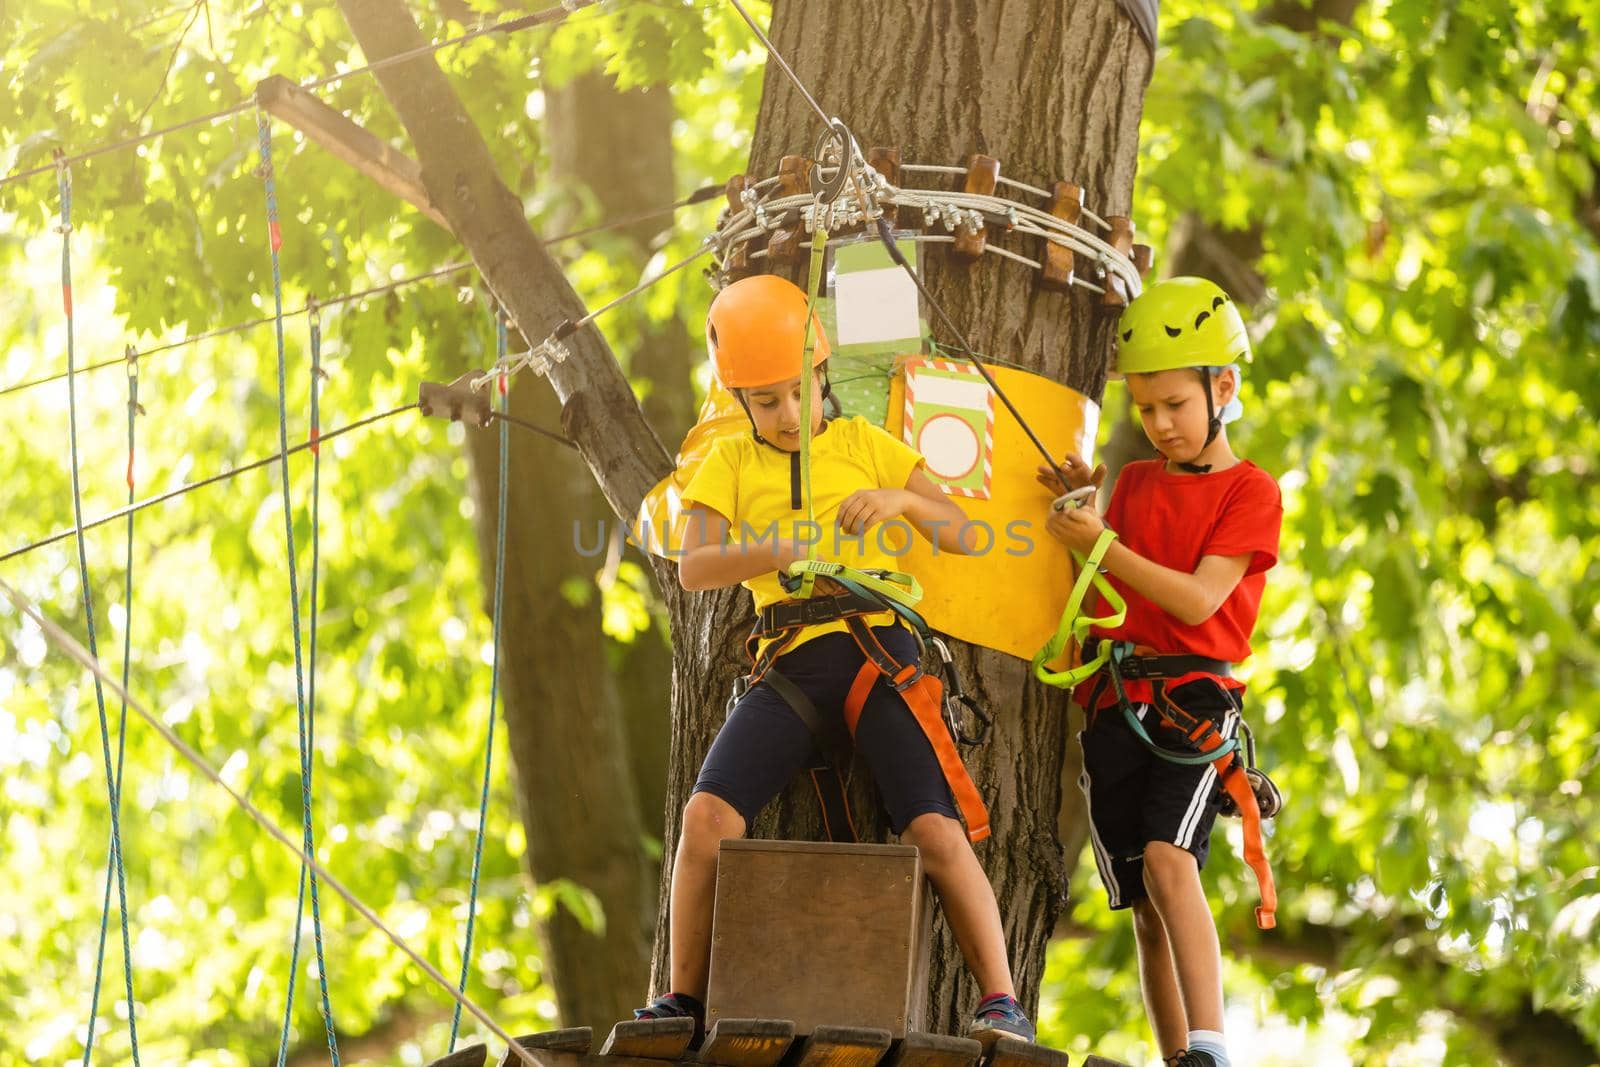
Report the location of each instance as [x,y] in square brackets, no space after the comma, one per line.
[113,777]
[264,137]
[494,671]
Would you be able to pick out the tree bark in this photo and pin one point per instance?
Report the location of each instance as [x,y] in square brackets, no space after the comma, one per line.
[563,712]
[1055,92]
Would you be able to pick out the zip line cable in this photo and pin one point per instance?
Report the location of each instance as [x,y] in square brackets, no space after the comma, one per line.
[73,650]
[699,196]
[547,16]
[184,490]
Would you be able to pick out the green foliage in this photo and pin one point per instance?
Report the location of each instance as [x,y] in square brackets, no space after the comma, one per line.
[1424,184]
[1423,181]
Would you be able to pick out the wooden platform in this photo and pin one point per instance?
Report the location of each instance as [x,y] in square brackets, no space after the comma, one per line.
[766,1043]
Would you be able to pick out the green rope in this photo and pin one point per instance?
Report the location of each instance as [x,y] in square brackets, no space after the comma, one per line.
[275,237]
[494,674]
[113,778]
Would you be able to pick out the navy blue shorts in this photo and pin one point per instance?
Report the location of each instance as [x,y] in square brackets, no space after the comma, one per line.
[1136,797]
[764,743]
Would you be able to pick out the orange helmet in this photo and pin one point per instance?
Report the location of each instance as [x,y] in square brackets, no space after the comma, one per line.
[755,330]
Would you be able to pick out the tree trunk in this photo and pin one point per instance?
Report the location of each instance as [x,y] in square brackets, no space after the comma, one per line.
[1055,92]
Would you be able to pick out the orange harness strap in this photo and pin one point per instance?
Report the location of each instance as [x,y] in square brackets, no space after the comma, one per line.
[1206,737]
[923,695]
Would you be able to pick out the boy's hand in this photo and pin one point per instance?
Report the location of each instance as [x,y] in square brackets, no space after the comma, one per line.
[1077,528]
[1074,470]
[868,507]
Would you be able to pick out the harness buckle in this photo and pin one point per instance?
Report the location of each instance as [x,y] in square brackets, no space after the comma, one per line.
[741,686]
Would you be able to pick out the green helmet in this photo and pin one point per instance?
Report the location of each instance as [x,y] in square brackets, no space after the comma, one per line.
[1180,322]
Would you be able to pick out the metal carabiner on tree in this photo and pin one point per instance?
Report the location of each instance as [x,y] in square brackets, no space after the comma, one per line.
[837,138]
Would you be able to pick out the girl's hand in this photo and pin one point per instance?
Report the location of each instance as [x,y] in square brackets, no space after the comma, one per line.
[1075,471]
[868,507]
[1077,528]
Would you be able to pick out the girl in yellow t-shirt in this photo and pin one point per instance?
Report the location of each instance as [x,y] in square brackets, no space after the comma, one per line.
[746,524]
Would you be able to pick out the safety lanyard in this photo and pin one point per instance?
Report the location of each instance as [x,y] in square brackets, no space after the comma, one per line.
[1075,625]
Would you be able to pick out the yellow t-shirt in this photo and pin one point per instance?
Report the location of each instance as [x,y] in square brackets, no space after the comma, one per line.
[757,489]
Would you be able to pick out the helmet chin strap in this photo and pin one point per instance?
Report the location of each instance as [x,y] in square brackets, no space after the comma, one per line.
[738,394]
[1213,425]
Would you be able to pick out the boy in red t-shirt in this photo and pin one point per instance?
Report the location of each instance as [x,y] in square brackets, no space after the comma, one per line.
[1197,532]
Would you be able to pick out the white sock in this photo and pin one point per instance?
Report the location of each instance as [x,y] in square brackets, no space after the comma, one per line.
[1212,1042]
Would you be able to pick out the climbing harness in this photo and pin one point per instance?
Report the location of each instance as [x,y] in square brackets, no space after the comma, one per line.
[940,705]
[1201,741]
[1248,791]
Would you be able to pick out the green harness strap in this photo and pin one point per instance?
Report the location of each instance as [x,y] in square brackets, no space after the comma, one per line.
[1075,625]
[819,244]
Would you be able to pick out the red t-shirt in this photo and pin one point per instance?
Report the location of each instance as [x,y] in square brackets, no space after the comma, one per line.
[1175,520]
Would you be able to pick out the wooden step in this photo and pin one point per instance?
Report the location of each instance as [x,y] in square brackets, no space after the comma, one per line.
[577,1039]
[651,1039]
[747,1042]
[1101,1061]
[934,1050]
[1012,1052]
[843,1046]
[468,1056]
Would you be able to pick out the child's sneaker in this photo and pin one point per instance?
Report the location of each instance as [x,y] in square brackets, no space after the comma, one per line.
[1192,1058]
[677,1006]
[999,1016]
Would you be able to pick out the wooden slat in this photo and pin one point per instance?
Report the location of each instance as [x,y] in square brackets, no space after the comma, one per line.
[576,1040]
[1012,1052]
[1101,1061]
[934,1050]
[653,1039]
[470,1056]
[843,1046]
[747,1042]
[372,156]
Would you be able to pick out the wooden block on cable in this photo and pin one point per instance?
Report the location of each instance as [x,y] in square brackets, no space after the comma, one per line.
[1121,238]
[794,179]
[1060,262]
[575,1042]
[934,1050]
[747,1042]
[1144,258]
[1013,1052]
[886,161]
[651,1039]
[843,1046]
[983,174]
[470,1056]
[458,401]
[821,934]
[1101,1061]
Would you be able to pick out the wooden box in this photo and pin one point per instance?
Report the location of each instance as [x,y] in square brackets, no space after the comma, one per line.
[820,934]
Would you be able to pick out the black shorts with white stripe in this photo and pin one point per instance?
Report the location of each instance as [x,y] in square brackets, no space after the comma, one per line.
[1136,797]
